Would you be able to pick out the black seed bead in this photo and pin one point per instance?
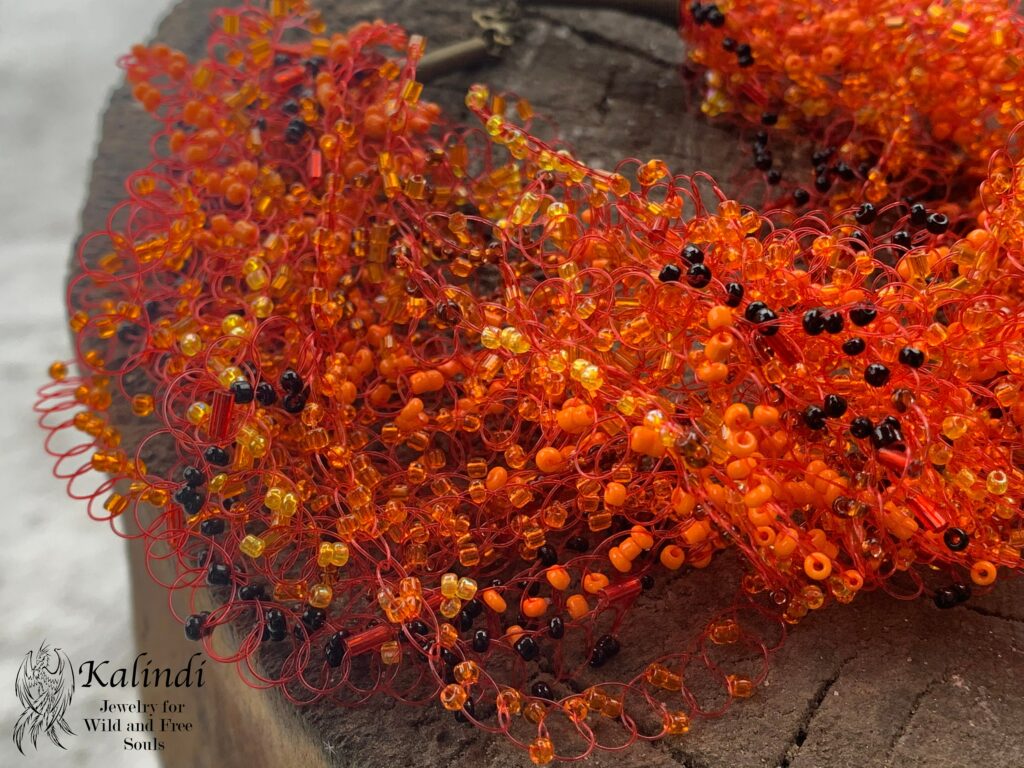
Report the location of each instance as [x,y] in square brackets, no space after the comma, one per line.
[911,356]
[866,213]
[252,592]
[876,375]
[765,320]
[216,455]
[277,626]
[698,275]
[576,544]
[469,708]
[527,648]
[314,618]
[610,645]
[212,526]
[193,476]
[219,574]
[918,214]
[474,608]
[901,238]
[191,500]
[822,182]
[728,43]
[195,625]
[861,427]
[814,417]
[814,322]
[845,172]
[334,650]
[542,691]
[761,139]
[556,628]
[534,589]
[945,598]
[670,273]
[769,118]
[752,310]
[547,555]
[884,435]
[858,241]
[646,582]
[448,313]
[962,591]
[418,627]
[715,17]
[834,406]
[691,254]
[291,382]
[854,346]
[763,160]
[699,13]
[295,131]
[242,391]
[801,196]
[597,658]
[861,316]
[294,403]
[481,641]
[956,539]
[265,394]
[463,621]
[937,223]
[834,323]
[744,50]
[774,177]
[822,155]
[733,294]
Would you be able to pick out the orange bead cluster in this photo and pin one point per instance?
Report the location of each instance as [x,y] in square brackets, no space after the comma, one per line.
[909,96]
[442,401]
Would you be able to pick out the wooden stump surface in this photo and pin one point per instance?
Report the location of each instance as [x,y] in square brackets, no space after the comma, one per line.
[877,683]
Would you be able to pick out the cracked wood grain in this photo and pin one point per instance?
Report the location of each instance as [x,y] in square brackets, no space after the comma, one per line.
[813,706]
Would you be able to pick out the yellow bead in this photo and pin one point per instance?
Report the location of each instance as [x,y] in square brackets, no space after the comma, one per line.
[740,687]
[466,672]
[198,413]
[449,585]
[320,596]
[391,652]
[453,697]
[490,337]
[142,405]
[339,554]
[115,504]
[252,546]
[542,751]
[450,607]
[190,344]
[509,700]
[58,371]
[997,482]
[676,722]
[466,589]
[954,427]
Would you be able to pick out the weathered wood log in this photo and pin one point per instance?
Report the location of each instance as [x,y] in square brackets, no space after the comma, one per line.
[881,682]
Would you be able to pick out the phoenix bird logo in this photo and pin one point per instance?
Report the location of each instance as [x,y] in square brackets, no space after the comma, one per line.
[45,684]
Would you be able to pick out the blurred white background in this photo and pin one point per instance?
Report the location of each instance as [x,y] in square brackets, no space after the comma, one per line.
[63,578]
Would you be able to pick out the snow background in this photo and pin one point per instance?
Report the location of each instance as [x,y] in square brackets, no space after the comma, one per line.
[63,578]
